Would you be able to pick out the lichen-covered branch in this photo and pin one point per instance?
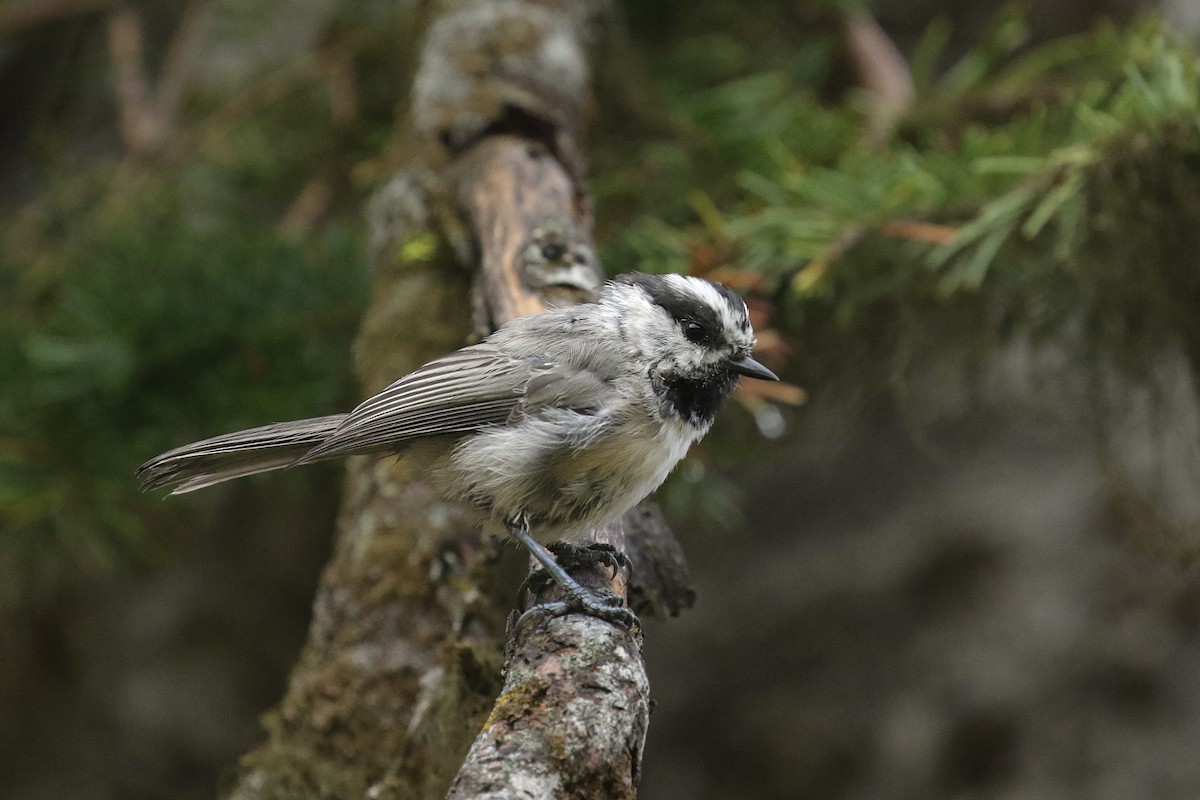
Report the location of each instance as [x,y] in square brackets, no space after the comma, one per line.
[532,236]
[573,714]
[570,721]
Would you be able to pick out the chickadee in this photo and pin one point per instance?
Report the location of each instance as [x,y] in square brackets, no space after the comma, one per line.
[555,424]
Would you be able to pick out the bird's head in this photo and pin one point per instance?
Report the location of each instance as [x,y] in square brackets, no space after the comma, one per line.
[695,334]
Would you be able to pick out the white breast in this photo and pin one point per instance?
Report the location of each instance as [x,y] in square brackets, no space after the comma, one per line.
[569,472]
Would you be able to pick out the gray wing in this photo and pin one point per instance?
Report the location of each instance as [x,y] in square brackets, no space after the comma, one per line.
[467,390]
[558,386]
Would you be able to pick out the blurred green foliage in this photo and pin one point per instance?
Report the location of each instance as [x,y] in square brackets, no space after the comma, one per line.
[139,334]
[1046,191]
[148,299]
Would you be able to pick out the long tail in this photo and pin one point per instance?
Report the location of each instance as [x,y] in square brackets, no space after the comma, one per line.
[234,455]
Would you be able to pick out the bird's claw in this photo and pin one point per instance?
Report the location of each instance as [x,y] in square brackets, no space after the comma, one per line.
[569,555]
[608,607]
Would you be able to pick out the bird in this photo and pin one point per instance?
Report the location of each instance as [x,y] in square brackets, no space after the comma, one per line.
[553,425]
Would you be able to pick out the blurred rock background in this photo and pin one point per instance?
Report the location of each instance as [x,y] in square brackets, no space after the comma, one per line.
[965,567]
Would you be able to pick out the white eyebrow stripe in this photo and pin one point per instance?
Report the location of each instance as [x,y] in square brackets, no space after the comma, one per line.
[707,292]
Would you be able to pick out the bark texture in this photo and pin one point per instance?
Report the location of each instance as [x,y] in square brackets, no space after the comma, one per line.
[570,722]
[406,649]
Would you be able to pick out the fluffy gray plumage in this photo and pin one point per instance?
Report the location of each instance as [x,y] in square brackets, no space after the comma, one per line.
[568,417]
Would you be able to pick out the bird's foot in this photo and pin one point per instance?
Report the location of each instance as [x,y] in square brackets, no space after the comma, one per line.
[607,606]
[576,598]
[570,555]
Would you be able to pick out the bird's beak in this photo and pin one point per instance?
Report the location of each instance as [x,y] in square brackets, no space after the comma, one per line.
[745,365]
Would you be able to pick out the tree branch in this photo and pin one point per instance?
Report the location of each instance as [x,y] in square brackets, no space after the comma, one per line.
[882,72]
[532,236]
[147,119]
[575,705]
[570,722]
[404,655]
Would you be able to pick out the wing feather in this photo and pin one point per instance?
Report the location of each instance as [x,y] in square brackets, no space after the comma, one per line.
[233,455]
[464,391]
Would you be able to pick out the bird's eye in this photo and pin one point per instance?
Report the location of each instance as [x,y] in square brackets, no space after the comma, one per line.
[694,332]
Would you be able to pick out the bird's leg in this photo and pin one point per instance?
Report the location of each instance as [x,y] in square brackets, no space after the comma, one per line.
[569,554]
[575,596]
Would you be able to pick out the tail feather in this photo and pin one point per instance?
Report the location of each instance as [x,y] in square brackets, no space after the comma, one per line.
[234,455]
